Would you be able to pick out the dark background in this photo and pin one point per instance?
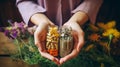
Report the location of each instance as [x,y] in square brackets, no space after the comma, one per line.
[8,11]
[110,10]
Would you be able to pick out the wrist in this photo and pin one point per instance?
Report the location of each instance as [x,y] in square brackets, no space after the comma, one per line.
[79,17]
[39,19]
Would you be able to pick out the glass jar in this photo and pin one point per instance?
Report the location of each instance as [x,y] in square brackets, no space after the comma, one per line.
[66,41]
[52,40]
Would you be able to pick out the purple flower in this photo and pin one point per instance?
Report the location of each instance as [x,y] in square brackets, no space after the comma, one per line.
[7,33]
[19,25]
[16,30]
[11,33]
[14,33]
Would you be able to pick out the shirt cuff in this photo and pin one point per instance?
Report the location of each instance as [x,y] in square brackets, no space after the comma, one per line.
[90,7]
[27,9]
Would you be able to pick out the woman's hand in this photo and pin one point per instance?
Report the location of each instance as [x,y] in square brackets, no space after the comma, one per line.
[78,36]
[75,22]
[40,35]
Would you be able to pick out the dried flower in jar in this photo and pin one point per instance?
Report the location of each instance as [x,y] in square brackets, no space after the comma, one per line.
[52,40]
[66,41]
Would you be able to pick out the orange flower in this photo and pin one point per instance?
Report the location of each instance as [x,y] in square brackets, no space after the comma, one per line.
[94,37]
[89,47]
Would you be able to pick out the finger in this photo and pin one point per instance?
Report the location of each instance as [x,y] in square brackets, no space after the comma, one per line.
[69,56]
[38,43]
[50,57]
[75,51]
[75,37]
[32,29]
[51,24]
[80,41]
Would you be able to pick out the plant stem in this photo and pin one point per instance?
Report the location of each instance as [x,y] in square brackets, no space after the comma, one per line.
[19,49]
[110,39]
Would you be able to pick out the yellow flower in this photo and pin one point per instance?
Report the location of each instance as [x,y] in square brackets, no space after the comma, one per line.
[111,24]
[8,28]
[101,25]
[114,32]
[106,26]
[53,31]
[94,37]
[93,27]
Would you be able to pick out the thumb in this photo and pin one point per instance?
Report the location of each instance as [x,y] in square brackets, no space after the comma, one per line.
[80,43]
[51,24]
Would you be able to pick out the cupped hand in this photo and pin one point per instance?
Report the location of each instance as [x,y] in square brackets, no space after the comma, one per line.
[75,22]
[40,35]
[40,38]
[78,36]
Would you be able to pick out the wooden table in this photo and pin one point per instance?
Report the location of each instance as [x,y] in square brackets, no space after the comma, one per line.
[5,60]
[5,42]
